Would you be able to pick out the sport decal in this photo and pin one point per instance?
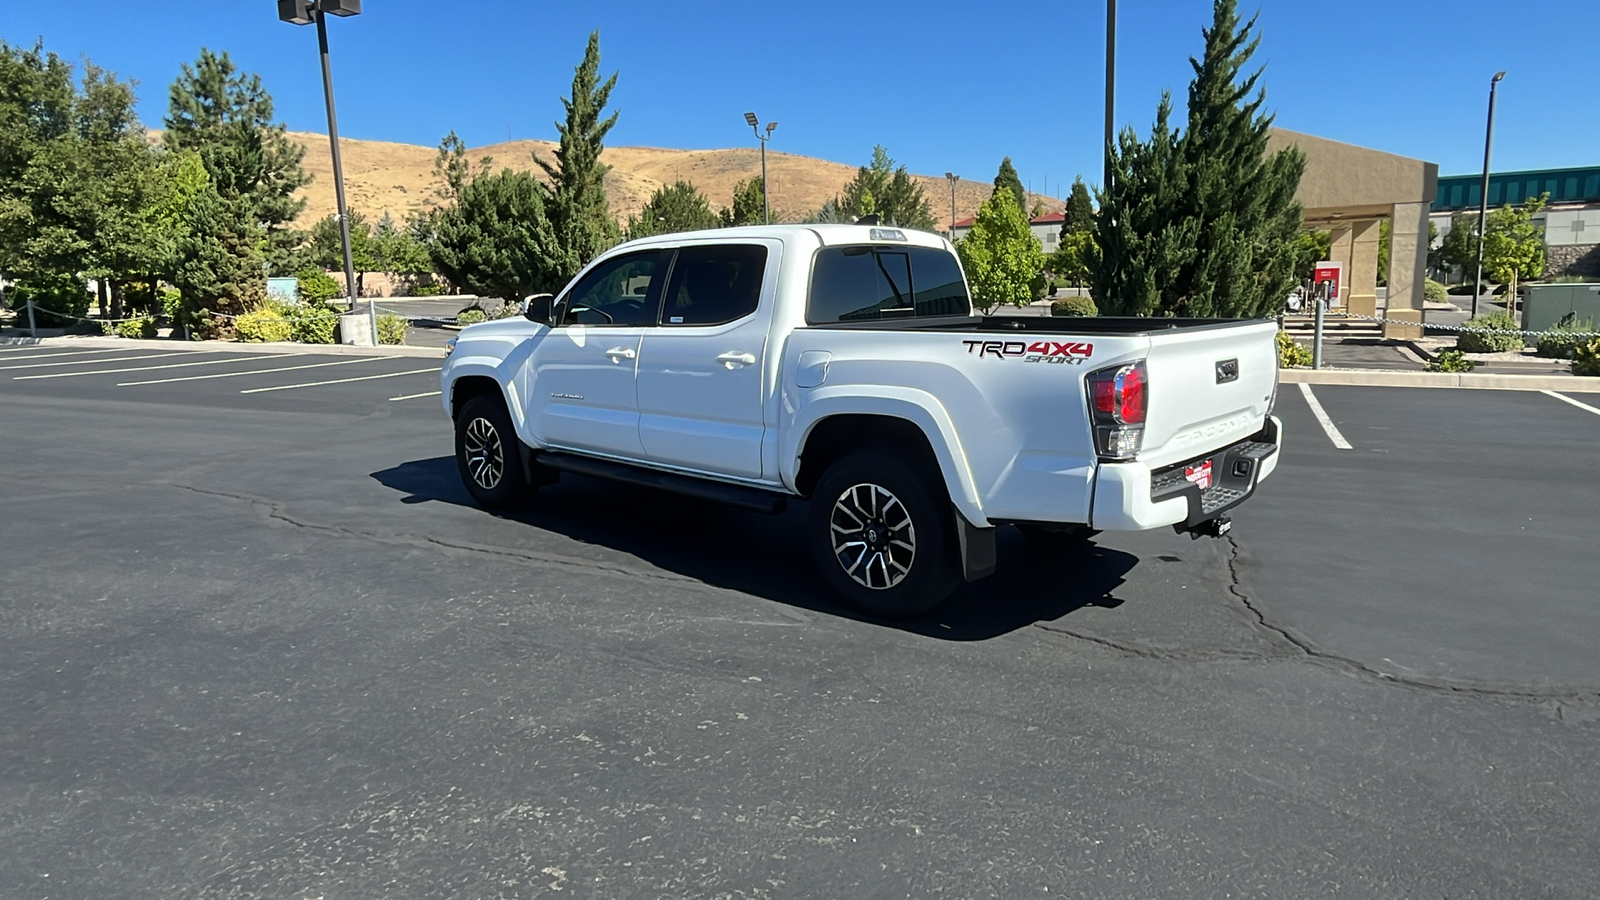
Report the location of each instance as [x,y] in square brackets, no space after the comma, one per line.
[1071,353]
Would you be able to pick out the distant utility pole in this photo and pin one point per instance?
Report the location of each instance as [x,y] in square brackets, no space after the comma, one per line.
[1483,195]
[953,178]
[1111,86]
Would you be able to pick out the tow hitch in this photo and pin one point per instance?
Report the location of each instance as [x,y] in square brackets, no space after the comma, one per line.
[1216,528]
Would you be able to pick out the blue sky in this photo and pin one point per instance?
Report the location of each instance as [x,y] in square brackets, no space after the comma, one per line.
[944,86]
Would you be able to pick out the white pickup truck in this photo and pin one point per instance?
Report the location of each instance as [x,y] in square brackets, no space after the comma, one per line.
[843,364]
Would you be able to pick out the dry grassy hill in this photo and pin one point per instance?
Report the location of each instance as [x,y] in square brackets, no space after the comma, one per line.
[399,178]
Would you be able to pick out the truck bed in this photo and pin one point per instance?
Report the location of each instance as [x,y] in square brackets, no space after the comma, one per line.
[1119,325]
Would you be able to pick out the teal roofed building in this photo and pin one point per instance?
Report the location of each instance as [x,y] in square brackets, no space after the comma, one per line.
[1571,220]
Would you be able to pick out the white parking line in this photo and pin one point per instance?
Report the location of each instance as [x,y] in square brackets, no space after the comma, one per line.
[208,362]
[9,350]
[290,387]
[96,362]
[1565,399]
[415,396]
[342,362]
[1322,417]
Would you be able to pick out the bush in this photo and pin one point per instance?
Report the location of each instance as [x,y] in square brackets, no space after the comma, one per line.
[427,290]
[316,286]
[1485,342]
[1290,354]
[1451,361]
[312,323]
[59,301]
[141,328]
[1460,289]
[264,324]
[1074,306]
[1434,292]
[472,315]
[1560,341]
[1586,358]
[392,329]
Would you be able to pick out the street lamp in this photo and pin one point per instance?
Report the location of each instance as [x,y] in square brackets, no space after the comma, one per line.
[1483,196]
[1111,87]
[307,12]
[953,179]
[755,125]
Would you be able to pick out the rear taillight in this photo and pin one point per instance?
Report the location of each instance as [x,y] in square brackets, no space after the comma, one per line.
[1119,399]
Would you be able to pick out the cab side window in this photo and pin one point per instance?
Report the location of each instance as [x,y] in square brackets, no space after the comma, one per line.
[714,285]
[620,291]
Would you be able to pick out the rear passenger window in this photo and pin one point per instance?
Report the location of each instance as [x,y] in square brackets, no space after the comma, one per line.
[714,285]
[868,283]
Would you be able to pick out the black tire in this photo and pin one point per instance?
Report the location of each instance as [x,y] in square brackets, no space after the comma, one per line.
[488,455]
[886,576]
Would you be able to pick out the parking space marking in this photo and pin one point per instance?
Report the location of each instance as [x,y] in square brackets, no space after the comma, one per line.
[52,355]
[74,362]
[342,362]
[415,396]
[1565,399]
[206,362]
[290,387]
[1322,418]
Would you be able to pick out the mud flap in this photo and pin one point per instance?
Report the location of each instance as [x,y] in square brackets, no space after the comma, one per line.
[976,546]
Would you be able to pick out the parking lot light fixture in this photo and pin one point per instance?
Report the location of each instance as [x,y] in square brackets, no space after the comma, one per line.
[1483,196]
[306,12]
[952,178]
[754,122]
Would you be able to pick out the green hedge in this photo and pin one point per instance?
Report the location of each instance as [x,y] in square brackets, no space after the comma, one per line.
[1434,292]
[1451,361]
[141,328]
[1074,306]
[472,315]
[305,323]
[392,329]
[1483,342]
[1586,359]
[1290,354]
[1559,342]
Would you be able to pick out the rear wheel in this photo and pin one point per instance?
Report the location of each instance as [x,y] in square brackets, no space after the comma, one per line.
[488,456]
[880,530]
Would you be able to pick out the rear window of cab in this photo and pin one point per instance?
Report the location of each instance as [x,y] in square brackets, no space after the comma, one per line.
[874,282]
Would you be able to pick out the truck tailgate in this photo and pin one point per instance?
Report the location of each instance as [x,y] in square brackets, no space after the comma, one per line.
[1209,387]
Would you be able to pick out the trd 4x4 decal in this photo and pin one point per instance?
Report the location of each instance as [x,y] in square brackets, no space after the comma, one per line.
[1071,353]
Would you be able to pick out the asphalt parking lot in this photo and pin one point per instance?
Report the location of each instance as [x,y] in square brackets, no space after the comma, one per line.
[258,643]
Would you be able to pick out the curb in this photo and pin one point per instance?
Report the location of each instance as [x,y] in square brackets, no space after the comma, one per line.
[1380,378]
[223,346]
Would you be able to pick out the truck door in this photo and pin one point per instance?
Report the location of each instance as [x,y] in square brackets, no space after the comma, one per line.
[582,391]
[701,368]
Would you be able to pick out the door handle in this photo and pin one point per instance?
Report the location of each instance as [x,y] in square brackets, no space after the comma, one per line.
[619,354]
[736,358]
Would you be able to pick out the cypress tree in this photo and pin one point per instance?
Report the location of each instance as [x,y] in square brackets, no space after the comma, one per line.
[1007,178]
[1080,209]
[676,207]
[888,191]
[579,219]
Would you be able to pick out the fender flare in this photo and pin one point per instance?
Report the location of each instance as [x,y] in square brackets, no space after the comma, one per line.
[918,407]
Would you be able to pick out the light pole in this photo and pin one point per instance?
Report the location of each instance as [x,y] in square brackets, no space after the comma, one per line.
[307,12]
[953,179]
[1483,195]
[1111,87]
[755,125]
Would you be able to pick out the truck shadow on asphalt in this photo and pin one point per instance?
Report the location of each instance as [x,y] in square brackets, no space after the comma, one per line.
[764,556]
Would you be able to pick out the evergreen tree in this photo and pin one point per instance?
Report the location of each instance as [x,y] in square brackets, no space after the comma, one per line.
[1460,246]
[1080,209]
[579,219]
[1008,179]
[883,189]
[676,207]
[1000,255]
[1204,223]
[326,249]
[216,263]
[491,240]
[747,207]
[397,251]
[227,117]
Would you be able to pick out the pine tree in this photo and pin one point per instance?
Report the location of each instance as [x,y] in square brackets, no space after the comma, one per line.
[227,117]
[887,191]
[676,207]
[1080,209]
[746,208]
[491,240]
[216,261]
[1202,223]
[1008,179]
[579,219]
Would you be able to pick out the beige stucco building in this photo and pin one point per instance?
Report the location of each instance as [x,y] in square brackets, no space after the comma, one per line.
[1348,190]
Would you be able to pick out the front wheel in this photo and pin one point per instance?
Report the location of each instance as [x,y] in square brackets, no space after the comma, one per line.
[487,454]
[881,532]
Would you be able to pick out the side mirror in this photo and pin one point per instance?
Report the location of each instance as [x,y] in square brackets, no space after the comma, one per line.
[537,308]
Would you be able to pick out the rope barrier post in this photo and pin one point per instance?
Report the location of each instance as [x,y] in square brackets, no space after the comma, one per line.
[1316,340]
[33,331]
[372,319]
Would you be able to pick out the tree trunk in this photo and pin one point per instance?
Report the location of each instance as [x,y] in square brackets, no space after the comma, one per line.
[105,301]
[116,299]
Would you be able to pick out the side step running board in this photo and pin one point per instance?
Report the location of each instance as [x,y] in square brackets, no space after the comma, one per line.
[747,498]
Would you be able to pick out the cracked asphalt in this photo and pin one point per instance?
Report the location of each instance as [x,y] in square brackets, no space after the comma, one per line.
[260,645]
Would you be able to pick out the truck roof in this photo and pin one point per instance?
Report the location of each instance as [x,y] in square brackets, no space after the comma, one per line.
[825,234]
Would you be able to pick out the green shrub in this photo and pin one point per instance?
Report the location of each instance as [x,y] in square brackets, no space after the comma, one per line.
[1485,342]
[1460,289]
[1451,361]
[265,324]
[1559,342]
[392,329]
[1586,358]
[472,315]
[316,286]
[312,323]
[1434,292]
[427,290]
[59,301]
[1290,354]
[1074,306]
[141,328]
